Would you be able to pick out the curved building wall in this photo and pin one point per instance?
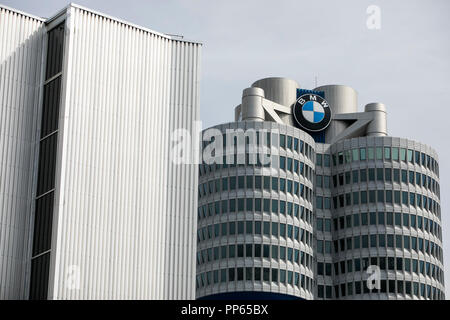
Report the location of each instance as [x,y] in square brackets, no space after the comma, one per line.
[376,204]
[255,221]
[386,213]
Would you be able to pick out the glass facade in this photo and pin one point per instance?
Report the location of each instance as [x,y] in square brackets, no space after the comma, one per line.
[319,217]
[385,212]
[255,220]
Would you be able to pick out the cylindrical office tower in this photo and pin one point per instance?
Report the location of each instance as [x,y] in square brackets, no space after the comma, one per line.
[386,219]
[342,212]
[255,217]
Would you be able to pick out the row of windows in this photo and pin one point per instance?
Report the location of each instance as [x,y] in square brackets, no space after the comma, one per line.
[253,251]
[323,160]
[404,243]
[384,263]
[385,175]
[253,274]
[235,157]
[40,262]
[266,228]
[238,160]
[384,219]
[263,138]
[290,143]
[274,206]
[295,166]
[387,154]
[383,196]
[399,287]
[268,183]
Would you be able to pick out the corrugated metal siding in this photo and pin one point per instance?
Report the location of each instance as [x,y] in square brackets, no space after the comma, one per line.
[125,216]
[21,44]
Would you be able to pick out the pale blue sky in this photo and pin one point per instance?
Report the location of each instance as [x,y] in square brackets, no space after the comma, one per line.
[405,64]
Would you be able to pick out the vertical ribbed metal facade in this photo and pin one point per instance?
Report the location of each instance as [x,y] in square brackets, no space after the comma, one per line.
[115,218]
[124,221]
[21,49]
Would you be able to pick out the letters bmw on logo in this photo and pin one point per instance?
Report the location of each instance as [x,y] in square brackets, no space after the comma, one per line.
[312,112]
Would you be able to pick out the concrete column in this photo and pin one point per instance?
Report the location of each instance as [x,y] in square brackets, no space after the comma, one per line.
[280,90]
[251,107]
[378,126]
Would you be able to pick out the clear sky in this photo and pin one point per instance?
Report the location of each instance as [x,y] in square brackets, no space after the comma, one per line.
[405,64]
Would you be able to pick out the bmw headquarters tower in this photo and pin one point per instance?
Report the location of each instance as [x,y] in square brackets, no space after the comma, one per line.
[305,197]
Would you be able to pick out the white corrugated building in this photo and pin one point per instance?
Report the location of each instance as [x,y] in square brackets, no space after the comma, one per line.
[90,205]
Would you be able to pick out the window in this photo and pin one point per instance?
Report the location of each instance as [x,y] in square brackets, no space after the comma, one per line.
[355,155]
[397,197]
[397,175]
[373,218]
[410,156]
[282,163]
[318,160]
[405,197]
[371,174]
[364,218]
[365,241]
[379,151]
[390,240]
[355,198]
[363,197]
[266,228]
[257,227]
[341,158]
[248,274]
[356,220]
[388,174]
[257,182]
[387,153]
[319,202]
[380,174]
[355,176]
[326,181]
[395,155]
[362,154]
[249,227]
[249,182]
[363,175]
[232,183]
[282,141]
[380,196]
[326,160]
[381,240]
[241,182]
[403,155]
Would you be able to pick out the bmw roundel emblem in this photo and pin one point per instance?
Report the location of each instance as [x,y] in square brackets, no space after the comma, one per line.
[312,112]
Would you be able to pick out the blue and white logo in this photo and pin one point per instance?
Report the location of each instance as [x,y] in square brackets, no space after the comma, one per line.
[312,112]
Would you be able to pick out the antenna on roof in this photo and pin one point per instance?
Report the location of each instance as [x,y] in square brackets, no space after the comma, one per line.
[315,80]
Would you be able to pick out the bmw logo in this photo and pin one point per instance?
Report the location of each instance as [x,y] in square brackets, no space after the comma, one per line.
[312,112]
